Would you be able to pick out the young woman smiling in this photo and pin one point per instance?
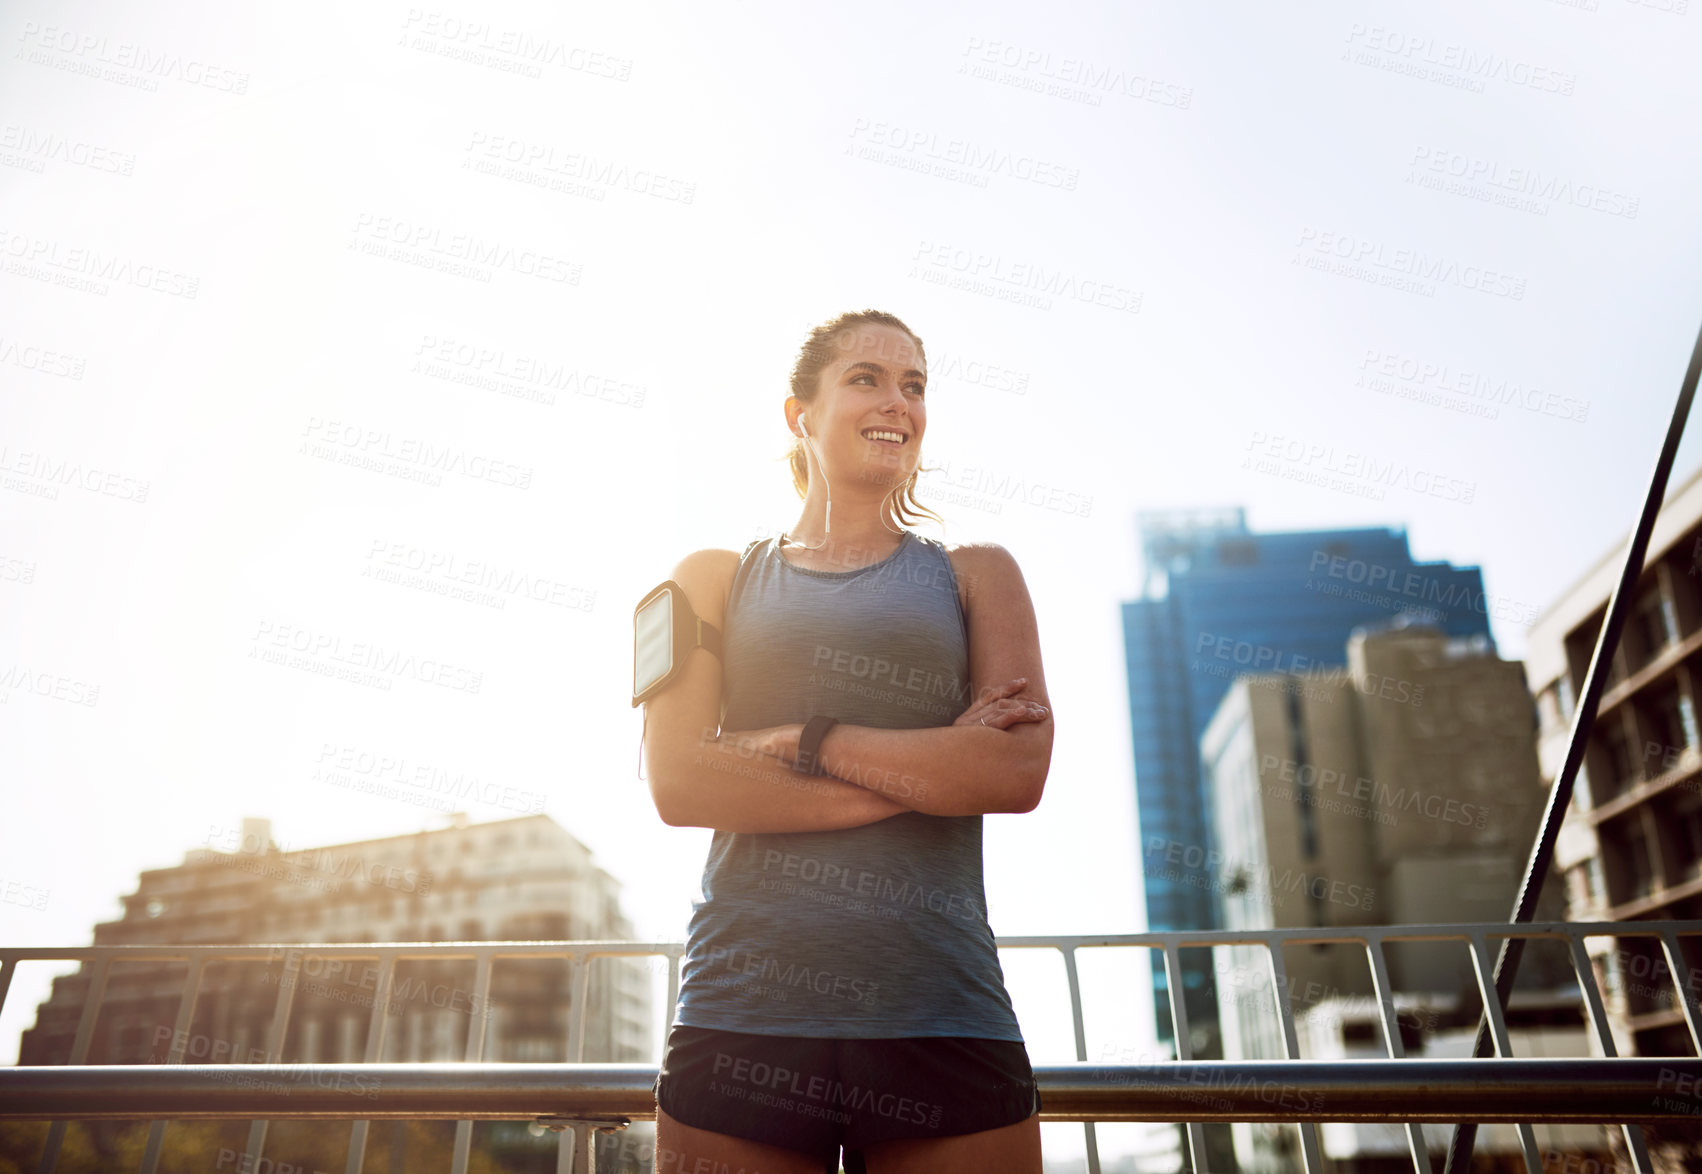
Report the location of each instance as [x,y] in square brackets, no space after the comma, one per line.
[840,986]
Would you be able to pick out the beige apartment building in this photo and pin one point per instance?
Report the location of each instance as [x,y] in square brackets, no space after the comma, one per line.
[1631,844]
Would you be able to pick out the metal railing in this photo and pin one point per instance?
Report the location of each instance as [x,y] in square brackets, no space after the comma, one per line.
[585,1097]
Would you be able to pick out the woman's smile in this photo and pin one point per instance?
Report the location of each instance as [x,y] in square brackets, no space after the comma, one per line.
[884,436]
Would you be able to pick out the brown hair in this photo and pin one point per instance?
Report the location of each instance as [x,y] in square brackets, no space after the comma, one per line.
[822,347]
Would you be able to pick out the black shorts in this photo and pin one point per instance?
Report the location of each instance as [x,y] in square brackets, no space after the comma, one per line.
[817,1095]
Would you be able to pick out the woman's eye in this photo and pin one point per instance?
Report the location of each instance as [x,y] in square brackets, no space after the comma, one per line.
[910,388]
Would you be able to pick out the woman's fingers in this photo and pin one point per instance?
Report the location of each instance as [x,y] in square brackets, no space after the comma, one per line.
[996,709]
[998,692]
[982,706]
[1009,713]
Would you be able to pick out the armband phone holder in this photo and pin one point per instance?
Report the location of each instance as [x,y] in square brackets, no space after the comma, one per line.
[664,632]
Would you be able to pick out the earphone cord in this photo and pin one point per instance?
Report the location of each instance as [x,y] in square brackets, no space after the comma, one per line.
[827,525]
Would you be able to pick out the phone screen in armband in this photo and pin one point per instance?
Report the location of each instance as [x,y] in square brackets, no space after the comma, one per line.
[665,629]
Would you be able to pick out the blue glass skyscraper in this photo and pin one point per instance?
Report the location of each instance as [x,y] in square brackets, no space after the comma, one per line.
[1219,602]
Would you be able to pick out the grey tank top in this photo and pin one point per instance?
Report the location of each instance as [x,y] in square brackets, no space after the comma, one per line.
[874,932]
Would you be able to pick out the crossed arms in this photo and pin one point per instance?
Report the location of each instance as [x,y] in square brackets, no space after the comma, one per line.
[993,758]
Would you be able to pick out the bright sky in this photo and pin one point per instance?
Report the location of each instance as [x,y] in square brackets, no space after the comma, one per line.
[1433,268]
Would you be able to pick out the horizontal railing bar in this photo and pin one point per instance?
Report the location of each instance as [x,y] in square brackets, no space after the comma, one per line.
[1583,1090]
[1360,934]
[1189,939]
[272,951]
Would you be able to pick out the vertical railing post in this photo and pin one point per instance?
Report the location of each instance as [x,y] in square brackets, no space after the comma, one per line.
[7,966]
[1485,969]
[1392,1040]
[275,1036]
[79,1053]
[1310,1153]
[475,1051]
[1681,979]
[1634,1140]
[85,1030]
[1074,979]
[174,1055]
[1184,1046]
[675,958]
[584,1149]
[376,1023]
[579,990]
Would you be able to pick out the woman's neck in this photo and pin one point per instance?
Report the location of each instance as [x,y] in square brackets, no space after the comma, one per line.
[851,542]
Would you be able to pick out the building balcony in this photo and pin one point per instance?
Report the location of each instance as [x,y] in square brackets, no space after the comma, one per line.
[1621,689]
[1656,899]
[1684,773]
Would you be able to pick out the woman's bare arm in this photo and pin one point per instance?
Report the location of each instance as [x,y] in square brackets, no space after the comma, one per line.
[699,778]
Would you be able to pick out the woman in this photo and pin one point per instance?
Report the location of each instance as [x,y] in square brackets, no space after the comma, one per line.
[840,985]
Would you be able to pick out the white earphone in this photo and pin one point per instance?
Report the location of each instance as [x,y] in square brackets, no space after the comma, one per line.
[827,523]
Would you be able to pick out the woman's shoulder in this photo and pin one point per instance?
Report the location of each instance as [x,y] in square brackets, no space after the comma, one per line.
[707,577]
[975,555]
[722,561]
[709,560]
[979,566]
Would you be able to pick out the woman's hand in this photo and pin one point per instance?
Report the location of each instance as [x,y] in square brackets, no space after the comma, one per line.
[997,709]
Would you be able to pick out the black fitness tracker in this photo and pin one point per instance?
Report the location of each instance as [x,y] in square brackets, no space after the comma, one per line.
[809,744]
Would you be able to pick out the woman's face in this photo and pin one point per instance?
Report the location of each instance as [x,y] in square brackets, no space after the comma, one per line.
[869,414]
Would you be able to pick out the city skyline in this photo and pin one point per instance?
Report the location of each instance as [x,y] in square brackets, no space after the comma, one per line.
[1220,601]
[362,372]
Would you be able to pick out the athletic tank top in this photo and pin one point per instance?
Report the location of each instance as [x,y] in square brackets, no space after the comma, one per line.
[874,932]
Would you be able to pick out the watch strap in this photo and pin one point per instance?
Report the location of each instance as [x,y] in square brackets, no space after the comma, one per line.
[809,744]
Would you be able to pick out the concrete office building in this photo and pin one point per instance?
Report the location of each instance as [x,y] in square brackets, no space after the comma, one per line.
[1220,601]
[1402,789]
[514,879]
[1631,844]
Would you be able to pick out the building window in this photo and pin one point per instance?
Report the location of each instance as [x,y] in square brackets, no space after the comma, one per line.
[1671,725]
[1687,837]
[1237,552]
[1598,881]
[1638,872]
[133,1044]
[531,1049]
[1656,625]
[1621,758]
[1359,1032]
[1577,889]
[1616,671]
[1563,693]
